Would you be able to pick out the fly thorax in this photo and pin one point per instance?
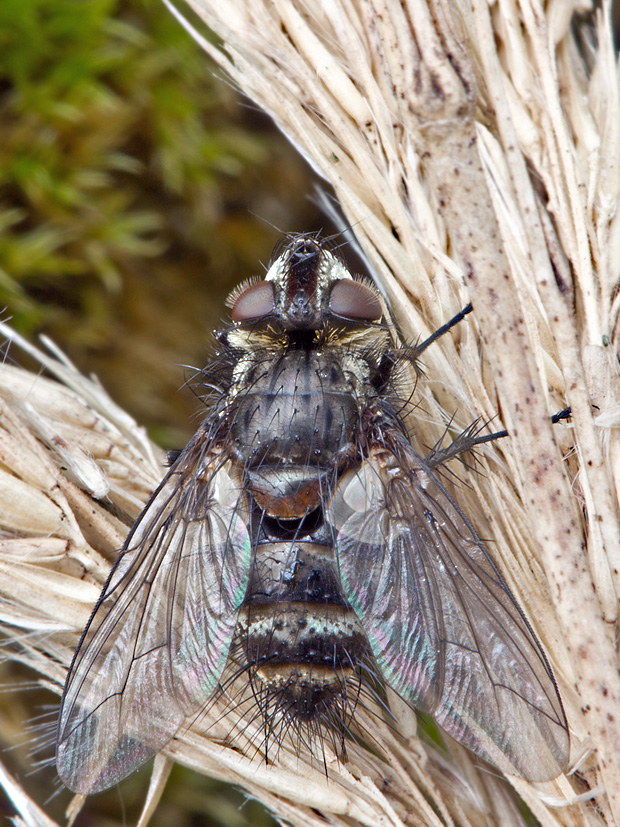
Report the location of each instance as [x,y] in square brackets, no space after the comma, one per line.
[296,425]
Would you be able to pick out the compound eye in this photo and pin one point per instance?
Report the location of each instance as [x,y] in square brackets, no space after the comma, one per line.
[354,300]
[254,302]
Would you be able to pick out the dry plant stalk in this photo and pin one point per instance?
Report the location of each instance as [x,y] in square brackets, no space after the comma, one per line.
[475,151]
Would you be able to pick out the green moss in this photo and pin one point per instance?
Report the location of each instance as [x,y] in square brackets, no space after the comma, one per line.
[110,118]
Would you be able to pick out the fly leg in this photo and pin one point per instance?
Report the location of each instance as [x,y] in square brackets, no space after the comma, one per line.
[470,438]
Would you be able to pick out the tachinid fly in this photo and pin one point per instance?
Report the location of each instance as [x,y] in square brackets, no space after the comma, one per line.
[301,545]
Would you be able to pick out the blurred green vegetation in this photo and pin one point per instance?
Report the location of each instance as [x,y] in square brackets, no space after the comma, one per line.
[133,181]
[130,181]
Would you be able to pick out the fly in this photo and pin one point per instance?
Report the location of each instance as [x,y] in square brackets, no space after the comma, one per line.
[300,544]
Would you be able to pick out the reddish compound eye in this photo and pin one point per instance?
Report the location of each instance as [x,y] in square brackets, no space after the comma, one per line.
[354,300]
[254,302]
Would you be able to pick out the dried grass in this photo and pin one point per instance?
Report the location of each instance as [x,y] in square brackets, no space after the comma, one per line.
[475,151]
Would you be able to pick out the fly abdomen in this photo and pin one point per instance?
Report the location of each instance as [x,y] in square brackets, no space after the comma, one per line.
[301,640]
[302,660]
[295,611]
[302,633]
[294,572]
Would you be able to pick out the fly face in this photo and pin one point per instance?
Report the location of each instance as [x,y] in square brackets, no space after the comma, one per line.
[301,545]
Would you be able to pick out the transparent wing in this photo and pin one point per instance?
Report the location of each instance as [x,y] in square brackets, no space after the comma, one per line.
[158,640]
[443,626]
